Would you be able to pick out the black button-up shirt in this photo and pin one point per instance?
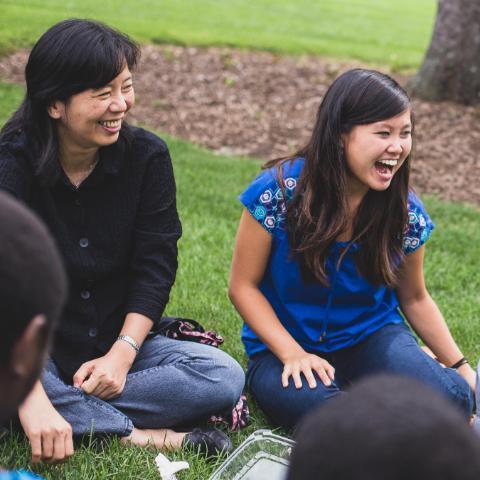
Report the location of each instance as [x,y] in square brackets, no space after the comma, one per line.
[117,232]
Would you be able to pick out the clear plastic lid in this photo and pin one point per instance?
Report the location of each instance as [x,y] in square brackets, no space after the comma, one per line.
[262,456]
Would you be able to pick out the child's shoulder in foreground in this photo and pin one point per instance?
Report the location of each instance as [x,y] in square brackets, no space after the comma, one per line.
[18,475]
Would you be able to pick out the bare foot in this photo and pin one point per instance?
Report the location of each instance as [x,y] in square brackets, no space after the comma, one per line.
[163,439]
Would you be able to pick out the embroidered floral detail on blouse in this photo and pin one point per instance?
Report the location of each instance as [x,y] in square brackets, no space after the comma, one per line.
[416,231]
[271,208]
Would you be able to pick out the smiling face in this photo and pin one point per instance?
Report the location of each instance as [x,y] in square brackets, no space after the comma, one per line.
[93,118]
[375,152]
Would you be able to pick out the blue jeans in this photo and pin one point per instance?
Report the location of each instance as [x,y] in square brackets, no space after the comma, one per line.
[476,423]
[392,349]
[171,383]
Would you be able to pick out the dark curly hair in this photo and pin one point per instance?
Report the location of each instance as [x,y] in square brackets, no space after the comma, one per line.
[32,277]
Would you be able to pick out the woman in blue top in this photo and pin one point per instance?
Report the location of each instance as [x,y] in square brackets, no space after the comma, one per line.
[329,260]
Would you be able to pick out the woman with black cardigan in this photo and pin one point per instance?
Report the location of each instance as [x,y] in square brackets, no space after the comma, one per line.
[106,191]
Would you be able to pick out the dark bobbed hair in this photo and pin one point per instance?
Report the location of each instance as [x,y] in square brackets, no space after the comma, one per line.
[317,214]
[386,427]
[32,277]
[72,56]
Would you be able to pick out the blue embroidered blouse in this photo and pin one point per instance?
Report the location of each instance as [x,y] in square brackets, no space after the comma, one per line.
[321,319]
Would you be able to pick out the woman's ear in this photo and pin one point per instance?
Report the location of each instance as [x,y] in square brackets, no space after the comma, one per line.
[55,109]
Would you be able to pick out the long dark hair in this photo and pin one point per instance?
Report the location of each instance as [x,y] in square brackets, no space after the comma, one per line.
[72,56]
[318,211]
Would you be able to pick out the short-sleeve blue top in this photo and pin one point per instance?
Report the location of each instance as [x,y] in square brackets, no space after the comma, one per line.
[321,319]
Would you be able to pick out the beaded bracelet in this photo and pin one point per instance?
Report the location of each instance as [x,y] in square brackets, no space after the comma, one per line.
[458,364]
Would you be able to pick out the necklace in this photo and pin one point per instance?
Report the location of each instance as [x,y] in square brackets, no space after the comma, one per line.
[79,177]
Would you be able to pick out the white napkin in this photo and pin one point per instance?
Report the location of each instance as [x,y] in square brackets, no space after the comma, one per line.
[167,468]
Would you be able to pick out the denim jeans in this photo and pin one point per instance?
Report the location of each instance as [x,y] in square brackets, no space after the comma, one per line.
[171,383]
[392,349]
[476,423]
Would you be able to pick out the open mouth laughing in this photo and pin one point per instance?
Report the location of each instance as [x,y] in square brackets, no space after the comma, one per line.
[385,167]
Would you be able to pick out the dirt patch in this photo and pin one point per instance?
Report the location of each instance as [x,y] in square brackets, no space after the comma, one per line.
[263,105]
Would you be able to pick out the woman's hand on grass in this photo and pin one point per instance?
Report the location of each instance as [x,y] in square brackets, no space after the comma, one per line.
[50,435]
[105,377]
[308,364]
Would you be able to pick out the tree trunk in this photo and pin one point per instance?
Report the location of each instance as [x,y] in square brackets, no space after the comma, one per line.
[451,68]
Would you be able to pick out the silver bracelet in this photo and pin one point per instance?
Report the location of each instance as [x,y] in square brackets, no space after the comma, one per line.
[130,341]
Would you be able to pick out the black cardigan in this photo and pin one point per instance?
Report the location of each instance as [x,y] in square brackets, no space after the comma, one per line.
[117,232]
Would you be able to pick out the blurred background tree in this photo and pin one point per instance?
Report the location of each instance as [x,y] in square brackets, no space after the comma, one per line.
[451,68]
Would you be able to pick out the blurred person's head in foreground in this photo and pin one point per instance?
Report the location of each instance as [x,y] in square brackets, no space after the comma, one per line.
[32,293]
[386,428]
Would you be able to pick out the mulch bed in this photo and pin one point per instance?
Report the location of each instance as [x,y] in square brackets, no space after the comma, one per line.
[262,105]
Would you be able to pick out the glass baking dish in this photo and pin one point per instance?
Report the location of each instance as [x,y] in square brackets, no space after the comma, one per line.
[262,456]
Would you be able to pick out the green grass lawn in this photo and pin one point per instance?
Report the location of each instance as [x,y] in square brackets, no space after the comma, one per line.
[375,31]
[207,189]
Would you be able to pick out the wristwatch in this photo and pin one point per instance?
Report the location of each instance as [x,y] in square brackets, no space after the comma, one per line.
[130,341]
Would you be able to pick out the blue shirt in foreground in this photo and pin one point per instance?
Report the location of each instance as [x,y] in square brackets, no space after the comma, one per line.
[321,319]
[19,475]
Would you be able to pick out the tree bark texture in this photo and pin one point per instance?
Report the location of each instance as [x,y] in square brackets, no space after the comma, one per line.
[451,68]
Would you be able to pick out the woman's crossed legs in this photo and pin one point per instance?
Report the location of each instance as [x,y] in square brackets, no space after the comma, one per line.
[172,383]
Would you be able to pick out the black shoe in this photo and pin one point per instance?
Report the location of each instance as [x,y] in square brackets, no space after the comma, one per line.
[210,442]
